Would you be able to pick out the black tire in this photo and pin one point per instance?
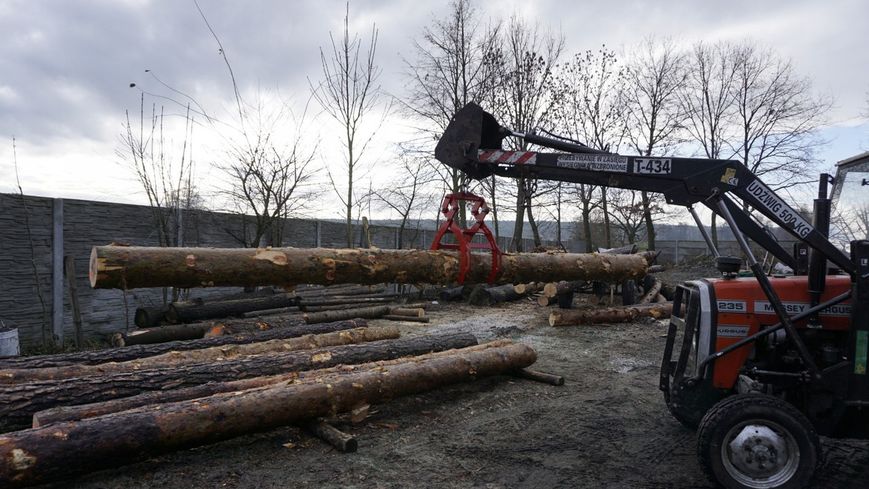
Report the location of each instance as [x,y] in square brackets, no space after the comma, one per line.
[772,438]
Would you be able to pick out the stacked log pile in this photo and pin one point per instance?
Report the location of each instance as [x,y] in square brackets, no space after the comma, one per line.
[60,449]
[91,410]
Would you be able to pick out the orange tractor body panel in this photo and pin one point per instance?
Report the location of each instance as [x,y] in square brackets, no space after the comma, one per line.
[743,309]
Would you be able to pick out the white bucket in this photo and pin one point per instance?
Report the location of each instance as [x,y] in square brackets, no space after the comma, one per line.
[9,342]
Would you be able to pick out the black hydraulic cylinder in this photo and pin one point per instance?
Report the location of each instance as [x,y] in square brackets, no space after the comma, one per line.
[817,260]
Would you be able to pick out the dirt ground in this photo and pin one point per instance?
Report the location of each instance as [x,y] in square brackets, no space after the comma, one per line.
[606,427]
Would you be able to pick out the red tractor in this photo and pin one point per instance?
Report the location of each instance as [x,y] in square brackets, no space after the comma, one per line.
[760,365]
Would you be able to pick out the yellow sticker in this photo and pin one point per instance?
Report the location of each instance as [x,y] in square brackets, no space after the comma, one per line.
[729,177]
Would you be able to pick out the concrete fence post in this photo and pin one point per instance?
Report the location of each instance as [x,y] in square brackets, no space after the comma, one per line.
[57,270]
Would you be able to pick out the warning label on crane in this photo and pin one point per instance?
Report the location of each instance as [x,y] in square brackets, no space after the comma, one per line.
[767,198]
[594,162]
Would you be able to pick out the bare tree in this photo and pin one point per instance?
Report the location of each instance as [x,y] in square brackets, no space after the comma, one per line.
[777,117]
[454,62]
[591,106]
[350,93]
[406,195]
[653,77]
[164,170]
[524,100]
[708,103]
[269,179]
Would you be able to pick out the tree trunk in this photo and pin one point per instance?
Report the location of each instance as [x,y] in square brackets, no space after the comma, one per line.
[408,311]
[58,451]
[134,267]
[187,312]
[19,402]
[279,329]
[74,413]
[647,217]
[361,301]
[607,232]
[609,315]
[224,353]
[535,231]
[529,288]
[519,223]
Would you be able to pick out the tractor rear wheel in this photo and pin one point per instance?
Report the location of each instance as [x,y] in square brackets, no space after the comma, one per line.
[757,441]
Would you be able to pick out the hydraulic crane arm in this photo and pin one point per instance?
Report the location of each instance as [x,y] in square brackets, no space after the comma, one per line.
[473,140]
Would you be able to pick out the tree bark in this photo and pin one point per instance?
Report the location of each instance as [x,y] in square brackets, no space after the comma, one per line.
[133,267]
[280,329]
[224,353]
[408,311]
[19,402]
[573,317]
[77,412]
[187,312]
[61,450]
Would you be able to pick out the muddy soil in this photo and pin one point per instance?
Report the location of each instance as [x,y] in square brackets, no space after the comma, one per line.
[606,427]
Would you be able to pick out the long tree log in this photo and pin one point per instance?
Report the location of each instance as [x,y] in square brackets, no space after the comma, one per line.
[61,450]
[188,312]
[160,334]
[341,441]
[279,329]
[129,267]
[81,411]
[223,353]
[371,312]
[409,319]
[572,317]
[18,402]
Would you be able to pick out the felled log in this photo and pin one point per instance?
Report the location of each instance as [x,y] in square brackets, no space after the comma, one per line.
[655,269]
[572,317]
[361,302]
[339,440]
[188,312]
[340,290]
[452,293]
[149,317]
[223,353]
[371,312]
[529,288]
[652,293]
[160,334]
[542,377]
[18,402]
[279,328]
[408,311]
[620,250]
[487,296]
[410,319]
[130,267]
[81,411]
[61,450]
[270,312]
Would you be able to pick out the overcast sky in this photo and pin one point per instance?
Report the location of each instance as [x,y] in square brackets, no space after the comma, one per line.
[66,66]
